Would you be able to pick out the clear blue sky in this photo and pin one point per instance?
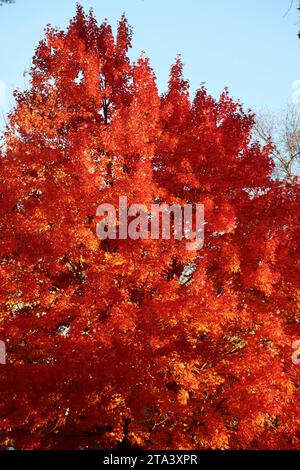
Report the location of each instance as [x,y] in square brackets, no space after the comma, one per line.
[247,45]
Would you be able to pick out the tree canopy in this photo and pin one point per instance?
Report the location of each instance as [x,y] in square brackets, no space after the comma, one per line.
[141,343]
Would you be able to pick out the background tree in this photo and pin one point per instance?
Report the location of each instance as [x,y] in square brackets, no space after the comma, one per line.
[283,130]
[6,1]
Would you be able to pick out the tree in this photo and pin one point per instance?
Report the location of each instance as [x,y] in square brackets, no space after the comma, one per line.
[283,131]
[141,343]
[6,1]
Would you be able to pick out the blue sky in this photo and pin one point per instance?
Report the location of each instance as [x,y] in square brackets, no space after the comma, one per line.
[247,45]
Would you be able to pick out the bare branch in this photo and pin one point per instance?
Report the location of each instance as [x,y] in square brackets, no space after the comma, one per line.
[283,131]
[289,9]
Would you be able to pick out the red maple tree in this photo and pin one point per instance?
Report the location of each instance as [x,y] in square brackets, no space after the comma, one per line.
[141,343]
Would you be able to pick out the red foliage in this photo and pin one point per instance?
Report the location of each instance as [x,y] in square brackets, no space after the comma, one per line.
[141,343]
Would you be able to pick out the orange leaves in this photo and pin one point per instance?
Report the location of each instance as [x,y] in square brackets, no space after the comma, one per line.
[266,278]
[183,397]
[152,345]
